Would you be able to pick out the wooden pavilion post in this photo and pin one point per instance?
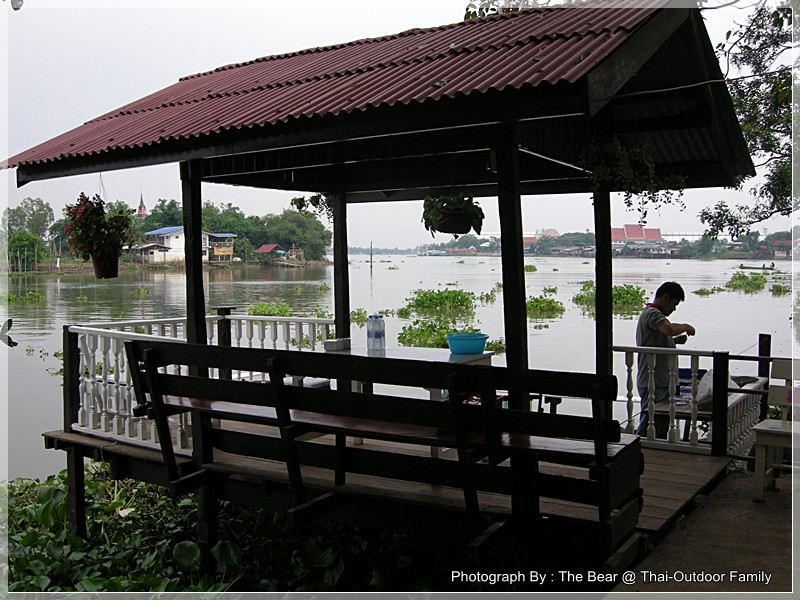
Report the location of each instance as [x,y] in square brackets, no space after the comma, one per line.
[506,149]
[341,274]
[602,268]
[193,234]
[207,504]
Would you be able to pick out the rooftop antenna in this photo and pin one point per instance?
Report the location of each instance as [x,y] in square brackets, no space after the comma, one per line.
[103,189]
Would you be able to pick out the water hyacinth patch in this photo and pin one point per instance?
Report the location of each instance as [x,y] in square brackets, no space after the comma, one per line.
[543,307]
[626,300]
[747,283]
[451,304]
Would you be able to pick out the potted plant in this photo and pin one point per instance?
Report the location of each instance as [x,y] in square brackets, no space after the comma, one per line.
[452,214]
[93,233]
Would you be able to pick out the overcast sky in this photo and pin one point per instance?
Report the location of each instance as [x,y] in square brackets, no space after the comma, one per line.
[69,61]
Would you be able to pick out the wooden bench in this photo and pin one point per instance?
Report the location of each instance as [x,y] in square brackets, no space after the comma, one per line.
[506,460]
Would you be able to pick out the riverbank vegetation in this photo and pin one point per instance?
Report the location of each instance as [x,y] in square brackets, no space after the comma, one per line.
[31,236]
[139,539]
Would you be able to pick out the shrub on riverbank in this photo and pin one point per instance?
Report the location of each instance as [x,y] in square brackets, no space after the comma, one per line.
[140,540]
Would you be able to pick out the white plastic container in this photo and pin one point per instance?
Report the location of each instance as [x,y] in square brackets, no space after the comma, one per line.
[376,333]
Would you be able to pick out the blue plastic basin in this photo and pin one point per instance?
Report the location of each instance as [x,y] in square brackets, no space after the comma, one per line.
[466,343]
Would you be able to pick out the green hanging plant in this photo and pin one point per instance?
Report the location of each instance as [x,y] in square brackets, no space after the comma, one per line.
[452,214]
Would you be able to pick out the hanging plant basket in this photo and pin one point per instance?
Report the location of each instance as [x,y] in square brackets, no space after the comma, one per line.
[455,222]
[105,266]
[452,214]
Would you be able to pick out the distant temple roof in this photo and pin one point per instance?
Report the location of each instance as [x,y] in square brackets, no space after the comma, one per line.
[636,233]
[142,210]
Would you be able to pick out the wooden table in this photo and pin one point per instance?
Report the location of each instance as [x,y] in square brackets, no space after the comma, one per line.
[772,437]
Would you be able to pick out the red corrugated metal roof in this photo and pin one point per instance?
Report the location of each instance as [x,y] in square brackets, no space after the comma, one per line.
[528,48]
[267,248]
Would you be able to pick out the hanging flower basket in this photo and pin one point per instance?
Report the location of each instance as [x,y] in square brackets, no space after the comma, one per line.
[106,266]
[93,233]
[455,222]
[452,214]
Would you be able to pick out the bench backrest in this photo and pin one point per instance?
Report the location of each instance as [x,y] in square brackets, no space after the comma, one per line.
[178,369]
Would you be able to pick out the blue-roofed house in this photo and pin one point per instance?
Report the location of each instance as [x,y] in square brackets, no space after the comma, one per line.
[167,244]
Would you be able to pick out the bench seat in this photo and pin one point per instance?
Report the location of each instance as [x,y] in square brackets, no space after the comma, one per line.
[504,465]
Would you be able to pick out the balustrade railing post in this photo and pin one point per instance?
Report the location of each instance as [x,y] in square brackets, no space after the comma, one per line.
[76,500]
[224,334]
[72,378]
[719,404]
[764,350]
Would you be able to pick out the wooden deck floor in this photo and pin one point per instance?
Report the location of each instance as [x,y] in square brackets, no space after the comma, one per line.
[670,482]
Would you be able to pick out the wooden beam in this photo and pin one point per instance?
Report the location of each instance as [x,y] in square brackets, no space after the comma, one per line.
[607,78]
[447,113]
[193,234]
[506,148]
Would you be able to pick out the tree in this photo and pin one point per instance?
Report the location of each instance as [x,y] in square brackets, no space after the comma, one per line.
[166,213]
[57,236]
[32,214]
[762,98]
[705,245]
[750,241]
[299,228]
[243,249]
[25,250]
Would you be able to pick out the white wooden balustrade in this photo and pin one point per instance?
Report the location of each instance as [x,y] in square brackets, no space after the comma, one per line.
[688,428]
[106,392]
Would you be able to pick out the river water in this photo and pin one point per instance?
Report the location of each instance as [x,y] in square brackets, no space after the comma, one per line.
[727,320]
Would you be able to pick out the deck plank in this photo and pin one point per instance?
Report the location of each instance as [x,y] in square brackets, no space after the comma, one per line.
[670,482]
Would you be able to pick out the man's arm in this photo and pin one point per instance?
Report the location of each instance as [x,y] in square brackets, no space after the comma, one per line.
[675,329]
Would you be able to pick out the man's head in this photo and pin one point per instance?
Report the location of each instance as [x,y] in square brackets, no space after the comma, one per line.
[668,296]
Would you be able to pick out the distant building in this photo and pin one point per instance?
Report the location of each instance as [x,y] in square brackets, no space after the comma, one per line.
[167,244]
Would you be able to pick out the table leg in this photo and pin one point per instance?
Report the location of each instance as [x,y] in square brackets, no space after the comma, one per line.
[760,473]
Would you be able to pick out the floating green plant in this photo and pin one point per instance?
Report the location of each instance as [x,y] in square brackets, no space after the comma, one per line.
[269,309]
[446,303]
[543,307]
[778,289]
[626,299]
[530,269]
[747,283]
